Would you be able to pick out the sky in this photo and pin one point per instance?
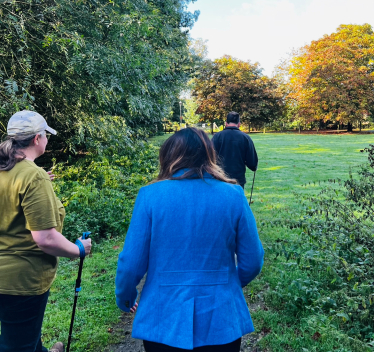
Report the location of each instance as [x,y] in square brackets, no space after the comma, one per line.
[267,31]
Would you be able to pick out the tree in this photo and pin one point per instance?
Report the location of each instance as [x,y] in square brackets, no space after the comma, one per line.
[228,84]
[190,115]
[199,48]
[77,61]
[177,109]
[187,109]
[333,77]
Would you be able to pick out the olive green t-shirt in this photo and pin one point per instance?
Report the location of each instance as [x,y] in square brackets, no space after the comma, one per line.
[27,203]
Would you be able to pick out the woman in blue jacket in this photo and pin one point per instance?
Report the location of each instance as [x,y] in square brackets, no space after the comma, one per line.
[185,230]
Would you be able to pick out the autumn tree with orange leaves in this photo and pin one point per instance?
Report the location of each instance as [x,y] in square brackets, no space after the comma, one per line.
[332,79]
[228,84]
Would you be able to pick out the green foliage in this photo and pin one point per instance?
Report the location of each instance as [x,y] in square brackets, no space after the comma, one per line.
[106,135]
[190,115]
[99,191]
[187,109]
[177,110]
[75,60]
[334,253]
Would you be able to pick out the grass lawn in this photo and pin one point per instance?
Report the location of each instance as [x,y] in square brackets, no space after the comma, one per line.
[287,161]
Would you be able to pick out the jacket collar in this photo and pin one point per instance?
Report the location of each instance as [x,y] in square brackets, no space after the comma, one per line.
[183,171]
[231,128]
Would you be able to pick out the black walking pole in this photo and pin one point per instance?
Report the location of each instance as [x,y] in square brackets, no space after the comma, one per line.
[253,182]
[82,255]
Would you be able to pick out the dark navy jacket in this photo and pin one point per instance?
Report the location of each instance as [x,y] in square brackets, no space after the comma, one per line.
[235,150]
[184,234]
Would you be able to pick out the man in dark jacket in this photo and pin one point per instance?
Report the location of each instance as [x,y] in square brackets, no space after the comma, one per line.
[235,149]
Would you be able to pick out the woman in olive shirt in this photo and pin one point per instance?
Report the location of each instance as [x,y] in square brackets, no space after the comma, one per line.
[30,234]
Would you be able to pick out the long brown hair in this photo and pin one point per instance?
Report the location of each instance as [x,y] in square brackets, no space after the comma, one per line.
[191,149]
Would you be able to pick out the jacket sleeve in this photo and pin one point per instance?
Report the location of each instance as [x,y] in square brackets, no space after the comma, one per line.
[249,250]
[133,260]
[251,159]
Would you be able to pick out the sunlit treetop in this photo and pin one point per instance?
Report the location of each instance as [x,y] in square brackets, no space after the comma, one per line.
[333,77]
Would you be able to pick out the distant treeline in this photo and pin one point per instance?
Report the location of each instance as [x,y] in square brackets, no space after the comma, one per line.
[329,83]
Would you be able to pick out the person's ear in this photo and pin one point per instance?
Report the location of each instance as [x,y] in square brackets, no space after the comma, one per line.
[238,124]
[36,139]
[226,124]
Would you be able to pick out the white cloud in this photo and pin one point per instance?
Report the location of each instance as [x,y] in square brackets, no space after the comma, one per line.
[266,30]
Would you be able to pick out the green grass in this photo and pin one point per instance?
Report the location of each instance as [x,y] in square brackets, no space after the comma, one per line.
[96,308]
[287,161]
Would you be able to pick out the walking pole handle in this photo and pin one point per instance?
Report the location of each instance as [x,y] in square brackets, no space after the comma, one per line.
[86,235]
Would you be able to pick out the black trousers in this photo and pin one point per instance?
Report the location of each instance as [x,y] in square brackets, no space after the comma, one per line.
[21,320]
[159,347]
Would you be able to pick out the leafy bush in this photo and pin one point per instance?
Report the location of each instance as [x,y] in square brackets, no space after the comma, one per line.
[333,255]
[99,191]
[106,135]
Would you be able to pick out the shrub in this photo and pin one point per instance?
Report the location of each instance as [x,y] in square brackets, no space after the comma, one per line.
[99,191]
[334,254]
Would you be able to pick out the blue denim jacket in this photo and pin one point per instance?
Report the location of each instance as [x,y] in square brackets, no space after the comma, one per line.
[184,234]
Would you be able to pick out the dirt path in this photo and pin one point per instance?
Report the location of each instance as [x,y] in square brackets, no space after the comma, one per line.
[129,344]
[133,345]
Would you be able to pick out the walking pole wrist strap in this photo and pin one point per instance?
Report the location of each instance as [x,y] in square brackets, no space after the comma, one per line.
[82,252]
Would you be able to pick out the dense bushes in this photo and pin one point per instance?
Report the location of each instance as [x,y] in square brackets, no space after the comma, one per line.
[334,259]
[99,191]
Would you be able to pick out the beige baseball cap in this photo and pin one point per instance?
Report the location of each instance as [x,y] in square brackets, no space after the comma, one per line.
[27,122]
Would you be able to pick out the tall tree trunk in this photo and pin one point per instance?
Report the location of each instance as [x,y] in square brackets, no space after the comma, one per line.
[349,127]
[360,126]
[211,126]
